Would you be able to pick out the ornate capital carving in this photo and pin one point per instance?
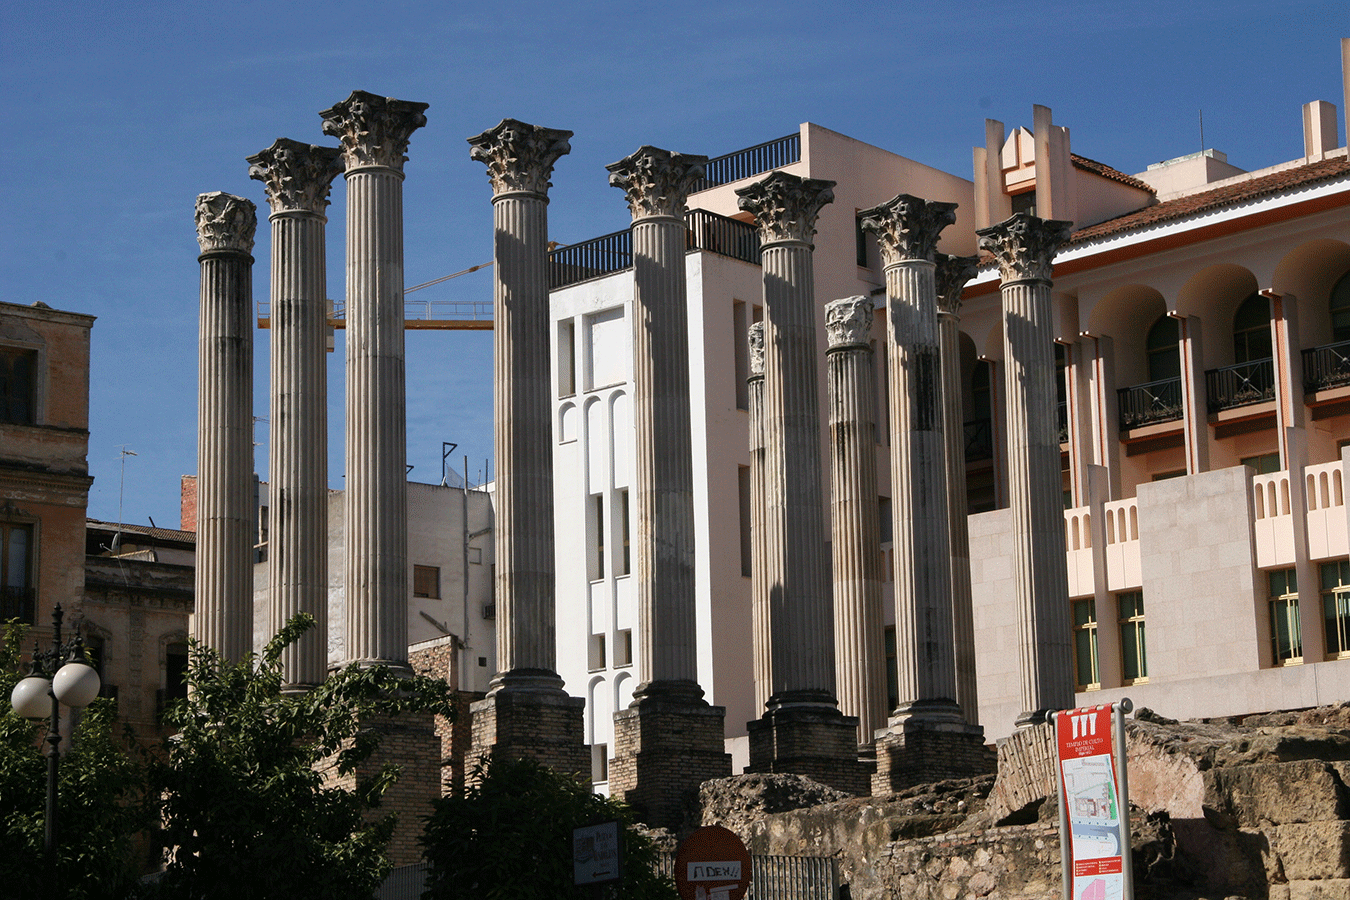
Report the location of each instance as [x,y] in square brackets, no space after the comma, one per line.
[296,176]
[656,182]
[951,276]
[520,157]
[848,322]
[908,226]
[785,206]
[1024,246]
[756,337]
[225,222]
[373,130]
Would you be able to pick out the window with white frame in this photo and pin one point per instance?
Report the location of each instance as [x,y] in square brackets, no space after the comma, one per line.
[1336,607]
[1285,635]
[1086,673]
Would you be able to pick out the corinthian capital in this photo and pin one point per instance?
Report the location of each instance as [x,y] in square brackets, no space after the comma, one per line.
[908,226]
[756,338]
[951,276]
[1024,246]
[373,130]
[656,182]
[225,222]
[520,157]
[785,206]
[848,322]
[296,176]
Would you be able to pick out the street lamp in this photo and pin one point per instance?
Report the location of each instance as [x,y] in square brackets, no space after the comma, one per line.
[59,675]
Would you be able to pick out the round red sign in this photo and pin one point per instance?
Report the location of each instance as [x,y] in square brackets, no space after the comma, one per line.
[712,864]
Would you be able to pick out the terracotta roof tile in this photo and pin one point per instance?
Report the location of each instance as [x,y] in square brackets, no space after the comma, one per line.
[1228,195]
[1102,169]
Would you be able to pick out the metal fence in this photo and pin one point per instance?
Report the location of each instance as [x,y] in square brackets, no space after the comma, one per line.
[1326,367]
[782,877]
[1240,385]
[750,161]
[1145,404]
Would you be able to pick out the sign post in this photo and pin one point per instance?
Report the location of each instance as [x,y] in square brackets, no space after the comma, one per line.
[597,854]
[712,864]
[1094,806]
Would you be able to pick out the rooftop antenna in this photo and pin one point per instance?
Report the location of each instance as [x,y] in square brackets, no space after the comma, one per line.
[447,447]
[1202,131]
[121,491]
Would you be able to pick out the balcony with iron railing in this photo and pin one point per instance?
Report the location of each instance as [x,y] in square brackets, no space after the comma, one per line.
[750,162]
[1326,367]
[18,603]
[1149,403]
[1240,385]
[613,252]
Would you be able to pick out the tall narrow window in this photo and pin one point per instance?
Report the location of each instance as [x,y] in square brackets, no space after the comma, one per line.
[596,653]
[740,340]
[18,385]
[18,600]
[623,647]
[1286,638]
[597,537]
[1340,309]
[1087,676]
[747,548]
[1336,607]
[1251,330]
[1163,348]
[625,559]
[175,671]
[567,358]
[892,672]
[599,763]
[1133,655]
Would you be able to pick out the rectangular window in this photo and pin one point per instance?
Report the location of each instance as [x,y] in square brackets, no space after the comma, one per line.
[623,647]
[427,582]
[18,600]
[625,559]
[860,240]
[740,339]
[599,763]
[1133,655]
[567,361]
[1087,676]
[1336,608]
[892,673]
[596,653]
[597,560]
[607,342]
[747,544]
[1265,464]
[1285,636]
[18,386]
[884,520]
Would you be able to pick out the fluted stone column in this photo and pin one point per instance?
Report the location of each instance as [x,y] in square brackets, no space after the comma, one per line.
[859,648]
[1024,247]
[951,276]
[374,133]
[928,738]
[297,178]
[669,741]
[759,594]
[527,713]
[802,730]
[223,619]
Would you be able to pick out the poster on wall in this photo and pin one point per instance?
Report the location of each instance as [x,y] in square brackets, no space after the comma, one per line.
[1095,806]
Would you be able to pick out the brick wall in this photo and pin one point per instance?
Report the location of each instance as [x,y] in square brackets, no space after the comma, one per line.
[910,757]
[187,503]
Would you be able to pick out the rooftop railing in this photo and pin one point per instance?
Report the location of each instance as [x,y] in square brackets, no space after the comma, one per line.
[1149,403]
[612,253]
[750,161]
[1326,367]
[1240,385]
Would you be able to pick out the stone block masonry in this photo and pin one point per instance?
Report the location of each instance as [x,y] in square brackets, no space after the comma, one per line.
[437,659]
[909,756]
[820,744]
[545,727]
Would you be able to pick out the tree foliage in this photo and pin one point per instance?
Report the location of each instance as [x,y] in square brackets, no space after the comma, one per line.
[98,792]
[246,811]
[509,837]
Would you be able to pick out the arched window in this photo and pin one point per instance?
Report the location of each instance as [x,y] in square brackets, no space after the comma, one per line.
[1164,357]
[1251,330]
[1340,309]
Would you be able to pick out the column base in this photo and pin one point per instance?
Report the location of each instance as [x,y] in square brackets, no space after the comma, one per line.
[409,742]
[530,716]
[666,744]
[816,741]
[918,749]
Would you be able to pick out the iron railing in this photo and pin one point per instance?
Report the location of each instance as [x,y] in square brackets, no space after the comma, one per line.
[750,161]
[1240,385]
[18,603]
[612,253]
[1146,404]
[1326,367]
[979,440]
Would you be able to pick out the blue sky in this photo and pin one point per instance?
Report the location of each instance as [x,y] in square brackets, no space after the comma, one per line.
[120,114]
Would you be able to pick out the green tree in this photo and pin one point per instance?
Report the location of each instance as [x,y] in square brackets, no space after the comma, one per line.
[98,792]
[509,837]
[246,811]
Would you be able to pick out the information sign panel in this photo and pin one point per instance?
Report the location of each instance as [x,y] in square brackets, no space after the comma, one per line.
[1094,803]
[595,854]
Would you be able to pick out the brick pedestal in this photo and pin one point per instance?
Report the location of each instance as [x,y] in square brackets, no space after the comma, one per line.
[665,745]
[817,742]
[922,752]
[546,726]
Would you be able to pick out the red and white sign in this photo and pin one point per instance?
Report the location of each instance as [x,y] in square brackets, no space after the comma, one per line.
[712,864]
[1093,805]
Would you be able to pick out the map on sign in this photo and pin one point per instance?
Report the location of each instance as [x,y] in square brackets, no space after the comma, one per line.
[1094,813]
